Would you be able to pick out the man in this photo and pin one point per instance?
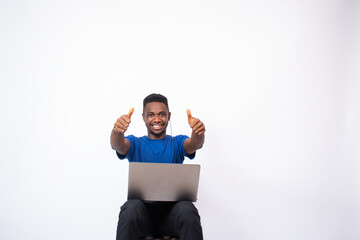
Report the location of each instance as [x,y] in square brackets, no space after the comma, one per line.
[139,218]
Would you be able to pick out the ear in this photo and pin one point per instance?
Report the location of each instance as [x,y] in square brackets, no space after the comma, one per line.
[143,115]
[169,116]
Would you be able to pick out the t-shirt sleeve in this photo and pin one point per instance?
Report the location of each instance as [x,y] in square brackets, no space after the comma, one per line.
[122,157]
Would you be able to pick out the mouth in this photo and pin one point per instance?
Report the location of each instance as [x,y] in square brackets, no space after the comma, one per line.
[157,126]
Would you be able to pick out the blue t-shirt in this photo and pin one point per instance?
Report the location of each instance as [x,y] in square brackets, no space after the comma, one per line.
[166,150]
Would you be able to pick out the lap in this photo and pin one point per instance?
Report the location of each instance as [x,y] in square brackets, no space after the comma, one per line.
[163,217]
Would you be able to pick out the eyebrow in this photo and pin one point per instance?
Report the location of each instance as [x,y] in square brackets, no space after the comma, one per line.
[159,112]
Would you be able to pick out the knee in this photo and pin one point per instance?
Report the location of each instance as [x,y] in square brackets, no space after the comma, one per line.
[187,213]
[131,211]
[133,204]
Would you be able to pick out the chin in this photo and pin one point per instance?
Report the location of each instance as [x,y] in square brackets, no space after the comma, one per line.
[158,134]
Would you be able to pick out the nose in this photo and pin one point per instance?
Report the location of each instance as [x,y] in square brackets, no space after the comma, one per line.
[156,118]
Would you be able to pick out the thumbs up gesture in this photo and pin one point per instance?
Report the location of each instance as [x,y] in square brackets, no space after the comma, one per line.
[197,126]
[122,123]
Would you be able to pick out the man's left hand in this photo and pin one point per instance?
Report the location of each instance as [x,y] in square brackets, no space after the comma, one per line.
[197,126]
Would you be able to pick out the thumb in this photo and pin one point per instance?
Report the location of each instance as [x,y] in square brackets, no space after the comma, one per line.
[190,118]
[130,112]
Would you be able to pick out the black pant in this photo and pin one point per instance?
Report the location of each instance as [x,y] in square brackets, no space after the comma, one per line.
[141,219]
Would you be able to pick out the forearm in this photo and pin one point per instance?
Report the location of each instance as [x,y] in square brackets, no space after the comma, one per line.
[119,143]
[197,141]
[194,143]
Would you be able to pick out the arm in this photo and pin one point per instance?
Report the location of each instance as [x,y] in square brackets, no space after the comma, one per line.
[119,143]
[196,141]
[117,137]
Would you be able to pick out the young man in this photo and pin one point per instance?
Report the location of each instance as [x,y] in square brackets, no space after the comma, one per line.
[139,218]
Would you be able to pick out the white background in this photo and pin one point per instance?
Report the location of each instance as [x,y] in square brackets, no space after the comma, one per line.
[277,84]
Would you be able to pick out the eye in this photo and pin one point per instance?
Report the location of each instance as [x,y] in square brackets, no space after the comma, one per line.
[150,115]
[162,115]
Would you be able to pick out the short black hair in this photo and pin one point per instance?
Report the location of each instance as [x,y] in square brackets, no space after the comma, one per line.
[155,97]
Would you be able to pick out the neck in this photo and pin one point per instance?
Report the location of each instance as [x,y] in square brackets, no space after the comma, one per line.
[152,135]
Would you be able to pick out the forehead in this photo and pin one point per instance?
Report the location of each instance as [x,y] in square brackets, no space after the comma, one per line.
[155,107]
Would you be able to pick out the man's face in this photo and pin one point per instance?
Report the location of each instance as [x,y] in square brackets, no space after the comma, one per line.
[156,116]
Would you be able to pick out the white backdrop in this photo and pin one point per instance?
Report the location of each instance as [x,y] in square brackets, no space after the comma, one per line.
[276,82]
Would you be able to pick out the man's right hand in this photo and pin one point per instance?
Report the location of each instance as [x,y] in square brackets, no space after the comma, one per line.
[122,123]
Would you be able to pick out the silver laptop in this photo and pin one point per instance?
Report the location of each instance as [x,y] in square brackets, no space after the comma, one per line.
[163,181]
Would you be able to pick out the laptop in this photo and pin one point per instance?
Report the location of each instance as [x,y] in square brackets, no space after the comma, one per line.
[165,182]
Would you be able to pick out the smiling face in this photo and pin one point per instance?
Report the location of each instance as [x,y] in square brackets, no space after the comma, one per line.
[156,117]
